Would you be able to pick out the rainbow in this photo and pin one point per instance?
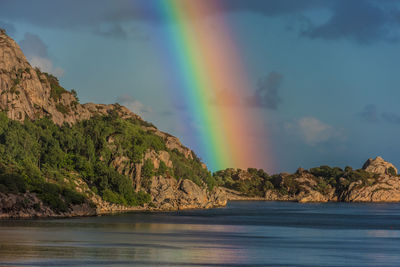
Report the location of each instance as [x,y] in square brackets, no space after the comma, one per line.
[215,84]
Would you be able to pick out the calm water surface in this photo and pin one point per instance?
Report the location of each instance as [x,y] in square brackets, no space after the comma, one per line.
[242,234]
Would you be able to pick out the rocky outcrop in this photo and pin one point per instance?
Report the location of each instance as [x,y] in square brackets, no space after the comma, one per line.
[379,166]
[385,189]
[376,182]
[169,194]
[26,92]
[28,205]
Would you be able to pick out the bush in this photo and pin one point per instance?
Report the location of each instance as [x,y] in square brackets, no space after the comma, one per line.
[148,169]
[162,169]
[392,171]
[256,183]
[61,108]
[12,183]
[190,169]
[110,196]
[72,197]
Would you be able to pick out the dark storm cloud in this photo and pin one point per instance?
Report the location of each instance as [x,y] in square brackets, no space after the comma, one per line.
[72,13]
[270,7]
[361,21]
[267,93]
[369,113]
[32,45]
[391,117]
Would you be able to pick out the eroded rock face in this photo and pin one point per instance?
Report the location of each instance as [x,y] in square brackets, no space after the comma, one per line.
[303,186]
[379,166]
[27,93]
[169,194]
[386,189]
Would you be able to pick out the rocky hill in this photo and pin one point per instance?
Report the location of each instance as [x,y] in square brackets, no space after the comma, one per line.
[377,181]
[62,158]
[26,92]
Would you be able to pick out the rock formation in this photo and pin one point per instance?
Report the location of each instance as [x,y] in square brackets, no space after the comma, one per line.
[379,166]
[377,181]
[28,93]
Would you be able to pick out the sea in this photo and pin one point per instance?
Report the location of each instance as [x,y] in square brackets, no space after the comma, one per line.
[244,233]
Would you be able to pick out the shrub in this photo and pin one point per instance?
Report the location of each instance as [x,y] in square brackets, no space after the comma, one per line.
[162,169]
[147,173]
[12,183]
[72,197]
[110,196]
[62,108]
[392,171]
[75,94]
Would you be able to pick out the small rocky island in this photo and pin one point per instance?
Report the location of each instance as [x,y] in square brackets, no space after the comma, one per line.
[377,181]
[61,158]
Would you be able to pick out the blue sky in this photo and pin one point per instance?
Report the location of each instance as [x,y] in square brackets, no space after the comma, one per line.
[336,101]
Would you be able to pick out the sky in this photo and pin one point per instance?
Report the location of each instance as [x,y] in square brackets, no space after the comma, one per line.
[323,75]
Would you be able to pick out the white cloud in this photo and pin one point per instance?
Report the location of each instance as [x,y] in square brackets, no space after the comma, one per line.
[37,54]
[134,105]
[44,64]
[314,131]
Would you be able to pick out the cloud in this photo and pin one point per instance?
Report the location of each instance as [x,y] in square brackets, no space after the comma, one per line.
[102,17]
[369,113]
[267,93]
[10,29]
[134,105]
[314,131]
[37,54]
[46,65]
[362,21]
[114,30]
[77,13]
[33,45]
[167,113]
[391,117]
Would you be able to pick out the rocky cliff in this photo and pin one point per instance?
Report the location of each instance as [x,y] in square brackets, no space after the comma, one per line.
[98,159]
[26,92]
[377,181]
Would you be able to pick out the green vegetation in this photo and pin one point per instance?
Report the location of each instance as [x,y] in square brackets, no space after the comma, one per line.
[191,169]
[41,157]
[75,94]
[392,171]
[62,108]
[45,156]
[251,183]
[255,182]
[147,173]
[56,89]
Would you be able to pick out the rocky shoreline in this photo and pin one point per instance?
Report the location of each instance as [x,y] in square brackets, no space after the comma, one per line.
[168,194]
[382,184]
